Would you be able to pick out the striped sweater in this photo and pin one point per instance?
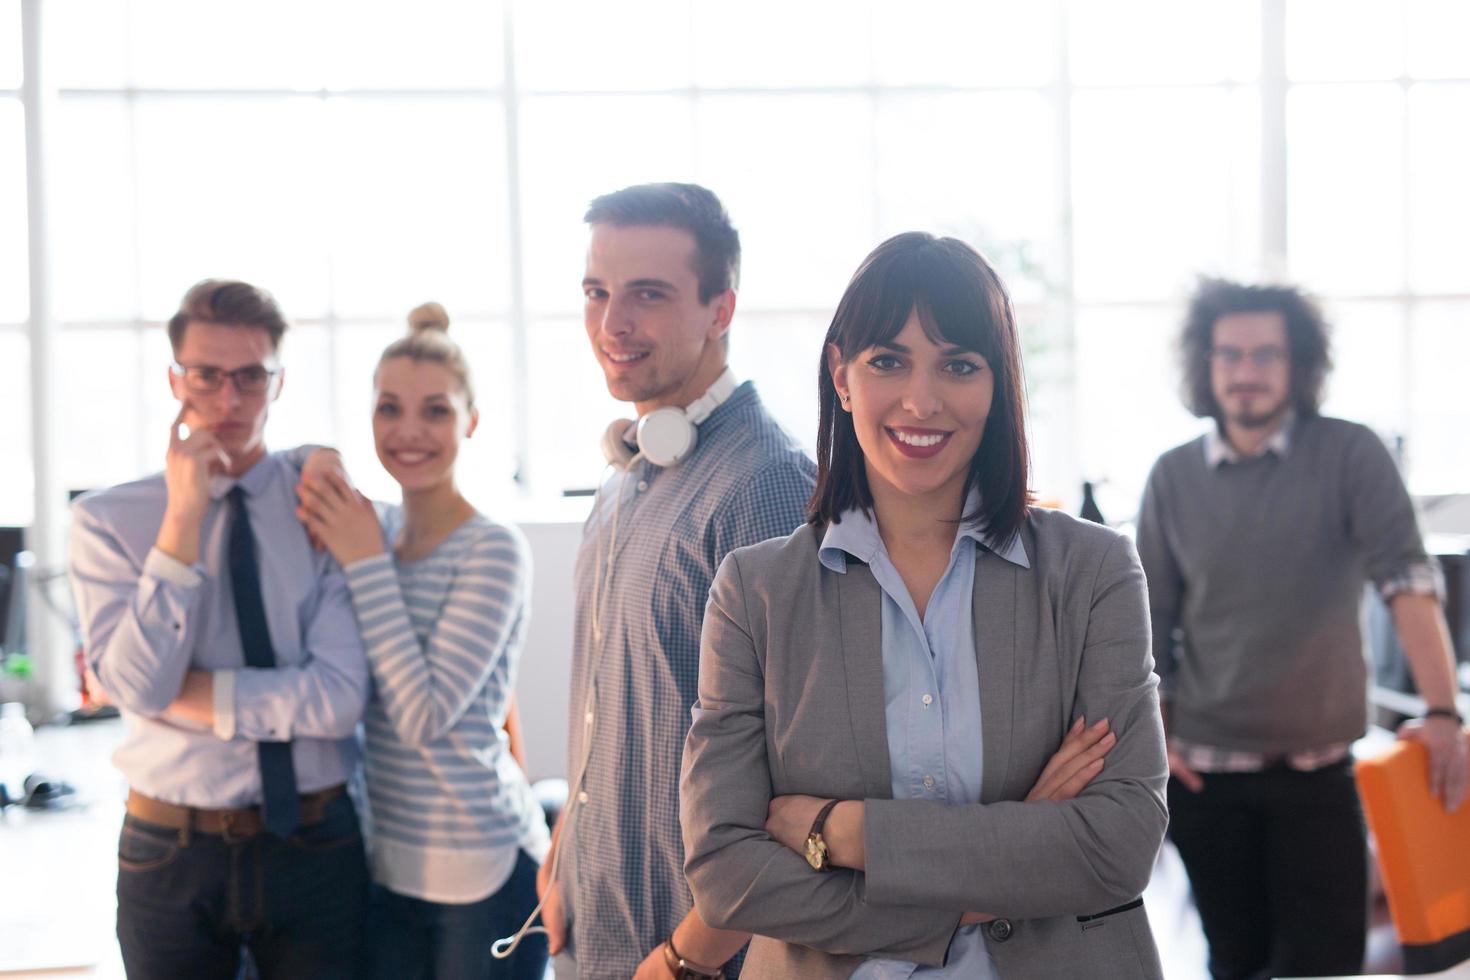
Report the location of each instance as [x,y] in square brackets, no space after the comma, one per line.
[449,807]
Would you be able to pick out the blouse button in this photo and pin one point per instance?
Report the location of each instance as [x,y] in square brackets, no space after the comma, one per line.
[928,699]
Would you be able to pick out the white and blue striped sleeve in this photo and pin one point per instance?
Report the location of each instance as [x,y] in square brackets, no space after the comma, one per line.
[426,687]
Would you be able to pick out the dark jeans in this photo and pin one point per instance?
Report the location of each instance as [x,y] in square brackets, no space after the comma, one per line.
[188,902]
[1278,863]
[414,939]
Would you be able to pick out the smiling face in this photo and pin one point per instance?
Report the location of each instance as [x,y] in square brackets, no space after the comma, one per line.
[420,414]
[237,420]
[656,343]
[918,409]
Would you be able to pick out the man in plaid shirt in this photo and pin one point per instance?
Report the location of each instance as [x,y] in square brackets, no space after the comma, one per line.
[662,268]
[1257,539]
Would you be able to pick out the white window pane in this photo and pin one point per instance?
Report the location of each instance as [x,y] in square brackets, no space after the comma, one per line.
[1046,364]
[1358,40]
[819,42]
[1160,41]
[14,257]
[303,412]
[1368,382]
[1345,187]
[230,188]
[417,192]
[16,501]
[261,44]
[10,51]
[101,412]
[487,462]
[1439,31]
[974,166]
[85,43]
[426,44]
[569,409]
[93,210]
[159,407]
[574,148]
[1165,187]
[963,42]
[1438,462]
[1128,407]
[782,355]
[595,46]
[1439,194]
[805,211]
[358,347]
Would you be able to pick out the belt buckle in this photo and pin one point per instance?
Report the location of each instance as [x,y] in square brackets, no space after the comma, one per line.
[227,820]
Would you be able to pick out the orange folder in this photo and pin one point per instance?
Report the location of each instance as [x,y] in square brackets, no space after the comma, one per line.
[1424,854]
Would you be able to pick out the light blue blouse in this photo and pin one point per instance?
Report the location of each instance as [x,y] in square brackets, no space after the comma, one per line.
[931,689]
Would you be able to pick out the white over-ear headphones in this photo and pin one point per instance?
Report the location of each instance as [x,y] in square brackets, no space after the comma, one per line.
[667,435]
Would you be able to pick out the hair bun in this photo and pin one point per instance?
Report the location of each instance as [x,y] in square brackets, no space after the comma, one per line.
[428,316]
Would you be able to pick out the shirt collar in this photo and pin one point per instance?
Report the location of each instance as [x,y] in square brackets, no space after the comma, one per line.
[856,535]
[254,480]
[1219,451]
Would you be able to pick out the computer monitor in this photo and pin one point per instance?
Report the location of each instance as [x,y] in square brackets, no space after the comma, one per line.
[12,589]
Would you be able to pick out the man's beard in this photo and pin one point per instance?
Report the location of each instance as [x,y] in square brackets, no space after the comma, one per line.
[1260,419]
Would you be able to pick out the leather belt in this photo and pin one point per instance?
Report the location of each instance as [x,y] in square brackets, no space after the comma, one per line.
[235,824]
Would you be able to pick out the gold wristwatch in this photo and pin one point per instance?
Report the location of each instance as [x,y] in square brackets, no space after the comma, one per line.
[682,969]
[816,847]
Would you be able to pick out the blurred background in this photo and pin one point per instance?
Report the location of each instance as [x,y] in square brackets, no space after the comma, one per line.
[358,158]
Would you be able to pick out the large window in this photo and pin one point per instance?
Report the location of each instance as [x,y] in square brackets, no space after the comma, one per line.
[360,158]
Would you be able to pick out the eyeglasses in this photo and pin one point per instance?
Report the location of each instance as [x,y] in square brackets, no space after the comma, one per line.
[204,379]
[1261,357]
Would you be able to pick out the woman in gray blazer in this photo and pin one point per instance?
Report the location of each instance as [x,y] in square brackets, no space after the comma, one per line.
[890,771]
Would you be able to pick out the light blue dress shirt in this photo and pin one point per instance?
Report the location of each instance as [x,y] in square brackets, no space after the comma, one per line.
[931,691]
[147,619]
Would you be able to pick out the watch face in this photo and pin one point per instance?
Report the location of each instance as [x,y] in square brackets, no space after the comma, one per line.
[816,852]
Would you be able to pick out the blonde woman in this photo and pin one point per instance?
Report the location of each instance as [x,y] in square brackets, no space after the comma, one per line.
[441,597]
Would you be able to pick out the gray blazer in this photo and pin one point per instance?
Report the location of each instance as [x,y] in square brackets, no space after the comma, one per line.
[791,701]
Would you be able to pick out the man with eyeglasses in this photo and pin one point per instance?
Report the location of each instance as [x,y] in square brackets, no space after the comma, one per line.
[230,646]
[1257,539]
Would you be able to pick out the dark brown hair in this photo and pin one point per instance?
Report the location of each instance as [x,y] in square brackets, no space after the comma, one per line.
[1307,338]
[688,207]
[960,301]
[428,340]
[227,303]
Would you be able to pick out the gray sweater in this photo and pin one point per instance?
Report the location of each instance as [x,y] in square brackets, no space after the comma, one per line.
[1260,564]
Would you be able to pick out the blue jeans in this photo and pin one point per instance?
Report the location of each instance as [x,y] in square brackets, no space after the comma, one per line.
[414,939]
[188,902]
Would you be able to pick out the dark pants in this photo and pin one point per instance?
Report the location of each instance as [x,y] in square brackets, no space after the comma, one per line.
[414,939]
[1278,863]
[187,902]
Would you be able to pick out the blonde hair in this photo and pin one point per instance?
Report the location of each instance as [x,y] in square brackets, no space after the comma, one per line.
[428,341]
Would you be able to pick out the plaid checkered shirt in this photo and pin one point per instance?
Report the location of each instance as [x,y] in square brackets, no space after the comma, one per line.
[623,870]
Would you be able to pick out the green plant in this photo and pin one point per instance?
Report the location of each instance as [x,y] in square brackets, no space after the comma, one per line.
[18,665]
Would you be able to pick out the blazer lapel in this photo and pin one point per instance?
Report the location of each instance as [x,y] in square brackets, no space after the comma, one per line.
[860,611]
[995,649]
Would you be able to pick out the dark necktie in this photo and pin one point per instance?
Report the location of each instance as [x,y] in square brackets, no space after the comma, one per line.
[279,804]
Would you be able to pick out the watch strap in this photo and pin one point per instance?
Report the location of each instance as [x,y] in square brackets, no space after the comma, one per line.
[822,817]
[681,968]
